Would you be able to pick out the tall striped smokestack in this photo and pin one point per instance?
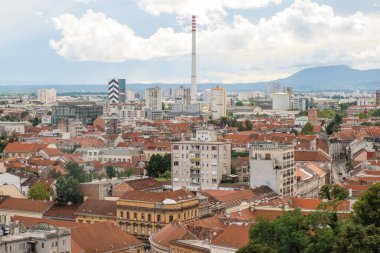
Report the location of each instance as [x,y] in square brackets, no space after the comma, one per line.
[193,62]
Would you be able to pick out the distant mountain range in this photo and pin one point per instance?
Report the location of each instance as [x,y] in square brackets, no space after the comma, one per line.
[338,77]
[333,78]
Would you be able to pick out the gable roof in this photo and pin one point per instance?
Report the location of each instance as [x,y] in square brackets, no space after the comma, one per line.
[31,221]
[234,236]
[103,237]
[144,184]
[311,155]
[25,205]
[16,147]
[98,207]
[178,195]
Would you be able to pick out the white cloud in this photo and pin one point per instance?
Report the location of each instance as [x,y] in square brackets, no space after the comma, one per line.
[94,37]
[38,14]
[303,34]
[208,12]
[83,1]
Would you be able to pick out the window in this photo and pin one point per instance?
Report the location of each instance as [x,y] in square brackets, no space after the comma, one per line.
[127,215]
[149,217]
[143,230]
[158,217]
[129,229]
[135,216]
[56,244]
[149,231]
[170,218]
[52,244]
[135,229]
[213,148]
[176,163]
[121,214]
[42,245]
[175,147]
[142,216]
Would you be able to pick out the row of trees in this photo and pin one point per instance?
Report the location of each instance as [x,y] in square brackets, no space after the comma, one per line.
[322,231]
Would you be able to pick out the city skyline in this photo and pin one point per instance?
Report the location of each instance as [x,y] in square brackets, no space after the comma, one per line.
[247,41]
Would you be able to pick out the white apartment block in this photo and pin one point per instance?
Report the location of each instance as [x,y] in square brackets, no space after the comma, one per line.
[10,127]
[272,164]
[47,96]
[153,103]
[126,112]
[153,99]
[199,164]
[218,103]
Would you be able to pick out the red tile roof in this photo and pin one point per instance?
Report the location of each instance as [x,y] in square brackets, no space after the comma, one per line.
[31,221]
[311,155]
[103,237]
[178,195]
[16,147]
[97,207]
[25,205]
[234,236]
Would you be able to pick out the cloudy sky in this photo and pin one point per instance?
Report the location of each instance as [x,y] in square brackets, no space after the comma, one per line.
[90,41]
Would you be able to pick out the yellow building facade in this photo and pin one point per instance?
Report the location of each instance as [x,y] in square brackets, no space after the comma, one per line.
[143,213]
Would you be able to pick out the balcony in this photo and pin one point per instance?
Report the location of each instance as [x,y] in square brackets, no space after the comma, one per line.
[195,159]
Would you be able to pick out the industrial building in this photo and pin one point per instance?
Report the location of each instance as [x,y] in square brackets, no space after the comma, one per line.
[87,112]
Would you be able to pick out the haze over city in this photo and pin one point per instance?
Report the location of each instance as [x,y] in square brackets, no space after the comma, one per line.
[240,41]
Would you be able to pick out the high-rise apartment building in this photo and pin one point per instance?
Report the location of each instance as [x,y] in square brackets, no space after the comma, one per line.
[113,91]
[218,102]
[122,91]
[200,163]
[300,103]
[272,164]
[153,103]
[47,96]
[182,97]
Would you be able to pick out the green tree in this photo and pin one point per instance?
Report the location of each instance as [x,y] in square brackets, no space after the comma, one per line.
[367,207]
[356,238]
[293,131]
[40,191]
[76,171]
[111,172]
[68,190]
[35,121]
[307,129]
[326,113]
[292,232]
[54,174]
[338,119]
[376,112]
[248,125]
[239,103]
[333,192]
[158,165]
[251,102]
[240,126]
